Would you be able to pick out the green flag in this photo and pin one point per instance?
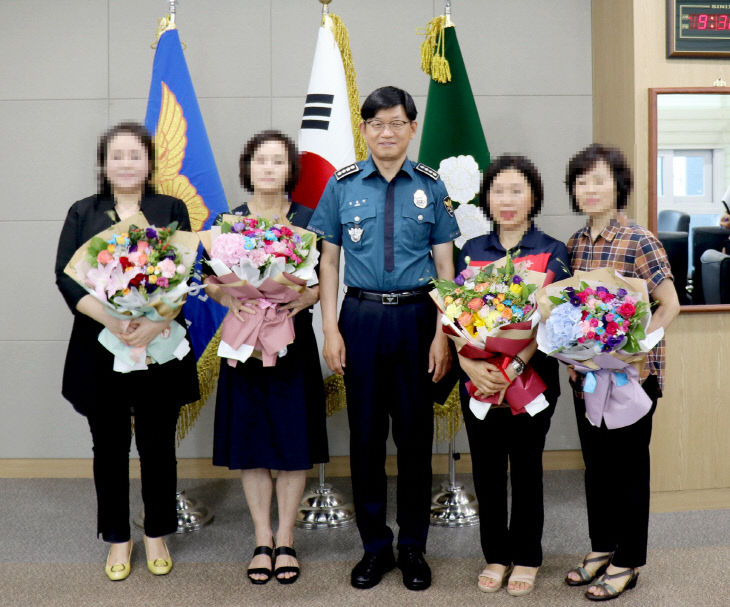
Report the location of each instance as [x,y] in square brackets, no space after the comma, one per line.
[452,140]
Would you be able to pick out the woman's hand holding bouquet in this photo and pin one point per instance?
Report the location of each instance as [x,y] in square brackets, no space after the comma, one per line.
[139,273]
[491,315]
[596,322]
[262,267]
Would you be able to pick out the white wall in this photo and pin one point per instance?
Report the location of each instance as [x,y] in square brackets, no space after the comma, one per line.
[71,68]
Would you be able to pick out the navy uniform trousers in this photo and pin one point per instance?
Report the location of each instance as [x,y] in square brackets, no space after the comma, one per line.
[386,374]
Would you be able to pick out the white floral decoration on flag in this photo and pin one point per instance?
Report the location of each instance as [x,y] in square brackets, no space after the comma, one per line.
[461,176]
[472,223]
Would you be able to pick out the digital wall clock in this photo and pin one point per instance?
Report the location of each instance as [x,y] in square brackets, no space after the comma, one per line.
[698,28]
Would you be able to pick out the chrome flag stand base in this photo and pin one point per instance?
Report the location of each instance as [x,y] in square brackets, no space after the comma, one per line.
[191,516]
[323,507]
[453,506]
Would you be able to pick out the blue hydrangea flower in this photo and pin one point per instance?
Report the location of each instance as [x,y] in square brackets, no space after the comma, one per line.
[562,328]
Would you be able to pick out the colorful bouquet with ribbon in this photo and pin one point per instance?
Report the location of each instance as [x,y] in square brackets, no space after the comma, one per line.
[135,270]
[490,313]
[596,321]
[255,259]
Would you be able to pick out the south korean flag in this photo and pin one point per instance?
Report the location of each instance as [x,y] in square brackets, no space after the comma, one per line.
[325,137]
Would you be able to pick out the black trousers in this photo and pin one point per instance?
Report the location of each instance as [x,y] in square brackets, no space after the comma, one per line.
[154,431]
[617,482]
[494,441]
[386,375]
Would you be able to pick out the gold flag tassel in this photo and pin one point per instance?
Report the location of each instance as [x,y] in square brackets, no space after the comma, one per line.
[208,370]
[447,417]
[342,37]
[433,49]
[334,390]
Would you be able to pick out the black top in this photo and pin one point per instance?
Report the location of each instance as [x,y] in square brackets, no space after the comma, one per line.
[534,242]
[88,376]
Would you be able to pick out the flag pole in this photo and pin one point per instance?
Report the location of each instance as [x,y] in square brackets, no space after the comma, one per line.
[323,507]
[453,506]
[191,515]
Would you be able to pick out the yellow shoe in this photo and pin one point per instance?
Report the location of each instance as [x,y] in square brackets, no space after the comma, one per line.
[119,571]
[159,566]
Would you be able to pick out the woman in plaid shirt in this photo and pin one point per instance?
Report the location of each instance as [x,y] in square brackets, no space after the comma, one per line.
[617,461]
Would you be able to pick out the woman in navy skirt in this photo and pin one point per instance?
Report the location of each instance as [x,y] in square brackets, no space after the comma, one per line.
[272,418]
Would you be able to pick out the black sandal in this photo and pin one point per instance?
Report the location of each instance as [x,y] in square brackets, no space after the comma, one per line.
[280,550]
[585,577]
[269,551]
[609,592]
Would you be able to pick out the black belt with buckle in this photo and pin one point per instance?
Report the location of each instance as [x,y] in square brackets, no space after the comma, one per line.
[391,298]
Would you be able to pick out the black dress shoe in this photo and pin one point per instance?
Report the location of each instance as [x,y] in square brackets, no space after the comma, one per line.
[416,572]
[369,571]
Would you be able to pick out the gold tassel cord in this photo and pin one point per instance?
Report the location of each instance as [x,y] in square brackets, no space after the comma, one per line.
[342,37]
[334,390]
[433,49]
[447,417]
[208,370]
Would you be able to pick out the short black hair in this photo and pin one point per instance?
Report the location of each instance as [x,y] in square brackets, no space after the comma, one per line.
[587,158]
[253,144]
[126,128]
[385,98]
[518,163]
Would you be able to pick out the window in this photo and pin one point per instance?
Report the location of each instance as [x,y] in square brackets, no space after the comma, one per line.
[684,178]
[692,181]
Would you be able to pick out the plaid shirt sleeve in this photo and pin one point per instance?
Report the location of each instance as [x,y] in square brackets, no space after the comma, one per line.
[651,261]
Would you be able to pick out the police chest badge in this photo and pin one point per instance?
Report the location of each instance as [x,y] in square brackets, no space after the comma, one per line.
[420,199]
[448,206]
[355,233]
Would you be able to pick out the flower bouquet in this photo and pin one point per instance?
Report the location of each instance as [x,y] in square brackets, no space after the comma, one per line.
[597,322]
[254,258]
[135,270]
[490,313]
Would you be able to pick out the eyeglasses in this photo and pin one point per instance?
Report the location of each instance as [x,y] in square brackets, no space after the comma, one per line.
[394,126]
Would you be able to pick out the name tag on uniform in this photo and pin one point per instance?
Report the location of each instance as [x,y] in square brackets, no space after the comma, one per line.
[355,233]
[420,199]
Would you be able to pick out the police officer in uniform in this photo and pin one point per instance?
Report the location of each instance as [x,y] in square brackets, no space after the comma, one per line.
[395,221]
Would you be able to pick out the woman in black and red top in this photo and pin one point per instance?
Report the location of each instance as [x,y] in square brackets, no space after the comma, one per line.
[511,195]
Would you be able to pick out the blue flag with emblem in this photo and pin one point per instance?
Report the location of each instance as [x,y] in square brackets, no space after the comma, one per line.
[186,170]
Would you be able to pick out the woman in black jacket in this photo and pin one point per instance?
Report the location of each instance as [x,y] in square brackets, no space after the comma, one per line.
[109,399]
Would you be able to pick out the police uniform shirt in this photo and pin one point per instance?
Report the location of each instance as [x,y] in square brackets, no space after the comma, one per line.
[352,213]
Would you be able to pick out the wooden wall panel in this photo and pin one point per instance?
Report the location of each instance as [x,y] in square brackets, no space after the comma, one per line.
[691,442]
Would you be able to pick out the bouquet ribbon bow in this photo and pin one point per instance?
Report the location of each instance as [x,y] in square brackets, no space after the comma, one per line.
[269,330]
[613,393]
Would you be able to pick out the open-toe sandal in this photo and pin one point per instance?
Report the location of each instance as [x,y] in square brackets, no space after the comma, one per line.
[609,590]
[488,575]
[582,570]
[269,551]
[526,578]
[278,571]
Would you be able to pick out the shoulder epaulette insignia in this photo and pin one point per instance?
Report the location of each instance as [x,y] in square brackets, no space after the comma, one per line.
[348,170]
[427,170]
